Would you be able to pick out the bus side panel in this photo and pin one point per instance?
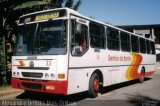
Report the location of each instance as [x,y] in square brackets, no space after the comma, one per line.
[125,73]
[129,66]
[118,74]
[78,80]
[149,63]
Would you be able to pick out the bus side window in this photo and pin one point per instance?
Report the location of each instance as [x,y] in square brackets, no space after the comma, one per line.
[148,47]
[125,42]
[97,35]
[152,47]
[79,38]
[112,39]
[135,43]
[142,45]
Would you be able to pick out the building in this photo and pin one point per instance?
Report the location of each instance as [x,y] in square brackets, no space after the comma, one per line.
[149,31]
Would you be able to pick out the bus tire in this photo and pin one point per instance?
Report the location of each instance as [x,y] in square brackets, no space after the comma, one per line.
[142,75]
[94,86]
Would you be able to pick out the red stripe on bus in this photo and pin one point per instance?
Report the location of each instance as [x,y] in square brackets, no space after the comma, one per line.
[132,71]
[54,87]
[149,73]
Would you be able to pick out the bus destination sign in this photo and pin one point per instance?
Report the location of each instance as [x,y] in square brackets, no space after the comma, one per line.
[47,16]
[43,16]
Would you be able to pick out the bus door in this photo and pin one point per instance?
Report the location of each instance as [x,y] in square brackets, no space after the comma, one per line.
[79,42]
[78,58]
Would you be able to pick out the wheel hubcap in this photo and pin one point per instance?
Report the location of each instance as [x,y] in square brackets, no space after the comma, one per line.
[96,85]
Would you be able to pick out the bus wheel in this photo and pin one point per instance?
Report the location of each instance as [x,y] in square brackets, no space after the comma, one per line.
[142,76]
[94,86]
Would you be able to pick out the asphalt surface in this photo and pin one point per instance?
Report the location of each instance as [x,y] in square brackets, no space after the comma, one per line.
[130,93]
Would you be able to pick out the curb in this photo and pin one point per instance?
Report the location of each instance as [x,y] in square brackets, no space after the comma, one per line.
[7,90]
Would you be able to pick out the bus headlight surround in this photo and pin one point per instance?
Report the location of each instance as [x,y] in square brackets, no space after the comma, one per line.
[14,73]
[18,74]
[52,75]
[46,75]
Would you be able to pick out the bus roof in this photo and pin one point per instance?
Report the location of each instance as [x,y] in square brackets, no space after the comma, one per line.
[71,11]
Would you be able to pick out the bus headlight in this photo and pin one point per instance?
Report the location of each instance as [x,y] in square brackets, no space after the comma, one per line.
[46,75]
[52,75]
[14,73]
[18,73]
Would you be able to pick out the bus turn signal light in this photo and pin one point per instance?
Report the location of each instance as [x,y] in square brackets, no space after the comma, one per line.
[61,76]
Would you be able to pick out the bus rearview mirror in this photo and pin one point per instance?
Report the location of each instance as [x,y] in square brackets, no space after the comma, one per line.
[78,28]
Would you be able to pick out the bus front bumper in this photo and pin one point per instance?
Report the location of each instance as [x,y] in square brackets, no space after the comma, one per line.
[54,87]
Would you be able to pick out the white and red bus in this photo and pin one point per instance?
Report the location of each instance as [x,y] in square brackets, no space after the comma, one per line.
[60,51]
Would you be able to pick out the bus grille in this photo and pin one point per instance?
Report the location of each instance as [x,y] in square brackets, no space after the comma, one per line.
[33,75]
[32,86]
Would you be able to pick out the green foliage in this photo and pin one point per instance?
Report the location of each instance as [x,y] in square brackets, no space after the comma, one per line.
[54,4]
[30,4]
[69,3]
[77,5]
[2,55]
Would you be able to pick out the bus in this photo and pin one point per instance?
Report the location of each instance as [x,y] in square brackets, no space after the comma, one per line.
[60,51]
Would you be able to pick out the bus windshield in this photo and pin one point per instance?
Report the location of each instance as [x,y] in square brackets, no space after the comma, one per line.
[44,38]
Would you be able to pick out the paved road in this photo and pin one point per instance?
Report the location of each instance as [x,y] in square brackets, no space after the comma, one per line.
[126,94]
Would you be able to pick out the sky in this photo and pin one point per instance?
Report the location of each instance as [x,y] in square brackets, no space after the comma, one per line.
[122,12]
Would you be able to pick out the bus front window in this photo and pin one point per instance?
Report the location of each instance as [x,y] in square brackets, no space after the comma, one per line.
[49,38]
[25,39]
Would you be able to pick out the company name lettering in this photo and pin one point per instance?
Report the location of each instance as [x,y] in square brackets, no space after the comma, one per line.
[119,58]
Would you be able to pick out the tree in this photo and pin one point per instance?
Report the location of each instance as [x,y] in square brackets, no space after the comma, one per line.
[69,4]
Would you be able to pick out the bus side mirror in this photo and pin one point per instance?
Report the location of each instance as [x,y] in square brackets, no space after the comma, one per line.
[78,28]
